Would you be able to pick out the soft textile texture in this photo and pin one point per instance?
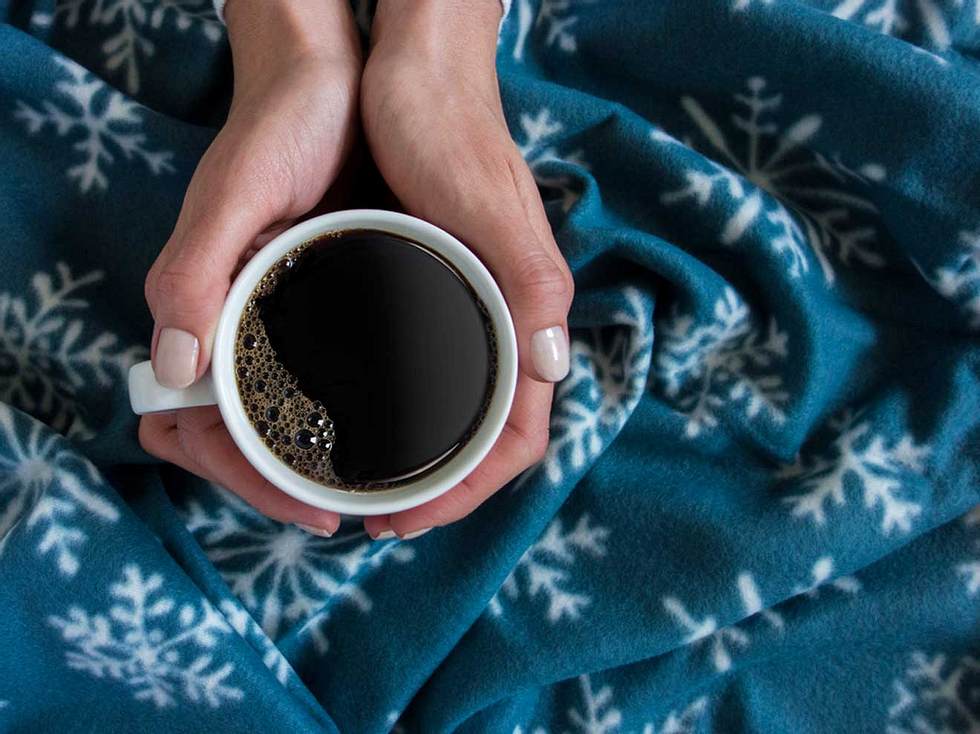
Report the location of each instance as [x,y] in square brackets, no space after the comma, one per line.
[755,512]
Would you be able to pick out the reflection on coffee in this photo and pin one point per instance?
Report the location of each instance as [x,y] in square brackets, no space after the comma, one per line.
[364,359]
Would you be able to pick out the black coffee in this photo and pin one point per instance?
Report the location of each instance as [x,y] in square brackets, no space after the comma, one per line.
[364,359]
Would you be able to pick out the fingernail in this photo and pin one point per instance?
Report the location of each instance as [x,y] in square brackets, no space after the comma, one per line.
[549,353]
[384,535]
[321,532]
[415,533]
[175,365]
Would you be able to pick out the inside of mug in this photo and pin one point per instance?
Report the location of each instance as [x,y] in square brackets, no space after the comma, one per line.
[398,492]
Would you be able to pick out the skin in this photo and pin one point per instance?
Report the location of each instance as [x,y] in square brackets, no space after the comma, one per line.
[430,108]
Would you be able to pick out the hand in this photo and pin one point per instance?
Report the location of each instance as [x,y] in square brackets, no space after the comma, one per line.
[434,122]
[297,68]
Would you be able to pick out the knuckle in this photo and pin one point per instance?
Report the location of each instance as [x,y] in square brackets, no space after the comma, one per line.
[532,445]
[455,508]
[542,278]
[188,444]
[178,287]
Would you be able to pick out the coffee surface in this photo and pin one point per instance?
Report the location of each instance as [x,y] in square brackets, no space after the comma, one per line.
[364,359]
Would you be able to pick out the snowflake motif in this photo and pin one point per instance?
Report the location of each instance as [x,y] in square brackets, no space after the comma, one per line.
[44,360]
[866,456]
[555,17]
[108,124]
[933,698]
[146,642]
[887,16]
[770,184]
[126,22]
[539,151]
[607,375]
[596,714]
[961,281]
[700,368]
[283,574]
[241,621]
[726,641]
[48,489]
[970,570]
[546,569]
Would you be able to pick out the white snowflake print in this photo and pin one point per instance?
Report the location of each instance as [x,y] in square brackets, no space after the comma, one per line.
[607,376]
[49,490]
[284,575]
[45,356]
[746,4]
[100,123]
[545,570]
[126,42]
[241,621]
[896,17]
[936,696]
[540,135]
[960,282]
[880,468]
[161,650]
[556,19]
[821,578]
[772,186]
[969,570]
[597,714]
[726,641]
[730,360]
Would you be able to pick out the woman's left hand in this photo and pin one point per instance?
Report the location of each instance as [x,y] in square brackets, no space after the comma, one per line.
[435,125]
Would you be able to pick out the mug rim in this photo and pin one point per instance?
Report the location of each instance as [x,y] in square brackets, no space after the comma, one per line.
[412,493]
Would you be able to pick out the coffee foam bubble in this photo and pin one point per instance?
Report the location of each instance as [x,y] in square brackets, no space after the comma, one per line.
[294,427]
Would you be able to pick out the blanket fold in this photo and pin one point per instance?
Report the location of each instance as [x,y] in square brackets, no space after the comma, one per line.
[758,510]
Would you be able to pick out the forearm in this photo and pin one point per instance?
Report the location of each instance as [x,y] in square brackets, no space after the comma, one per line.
[266,34]
[439,29]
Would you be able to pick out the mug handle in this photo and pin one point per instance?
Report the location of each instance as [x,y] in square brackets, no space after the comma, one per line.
[146,395]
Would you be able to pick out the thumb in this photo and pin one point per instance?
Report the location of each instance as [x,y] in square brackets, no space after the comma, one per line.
[224,210]
[538,288]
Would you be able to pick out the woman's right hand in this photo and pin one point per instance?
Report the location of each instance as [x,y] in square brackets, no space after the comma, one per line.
[434,121]
[292,120]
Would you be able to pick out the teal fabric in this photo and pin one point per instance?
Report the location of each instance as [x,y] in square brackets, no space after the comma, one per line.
[758,510]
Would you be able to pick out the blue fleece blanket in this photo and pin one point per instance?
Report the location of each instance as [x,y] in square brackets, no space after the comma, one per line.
[758,508]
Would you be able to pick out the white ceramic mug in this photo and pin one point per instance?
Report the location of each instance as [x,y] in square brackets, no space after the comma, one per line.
[218,385]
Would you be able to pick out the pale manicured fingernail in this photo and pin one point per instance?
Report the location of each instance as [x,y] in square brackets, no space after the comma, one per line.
[384,535]
[549,353]
[175,365]
[415,533]
[315,531]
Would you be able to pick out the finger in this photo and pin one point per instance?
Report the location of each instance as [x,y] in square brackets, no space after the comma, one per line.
[158,437]
[499,215]
[521,444]
[196,439]
[229,203]
[379,527]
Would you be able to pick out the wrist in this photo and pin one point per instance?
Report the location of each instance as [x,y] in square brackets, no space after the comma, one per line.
[436,29]
[264,34]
